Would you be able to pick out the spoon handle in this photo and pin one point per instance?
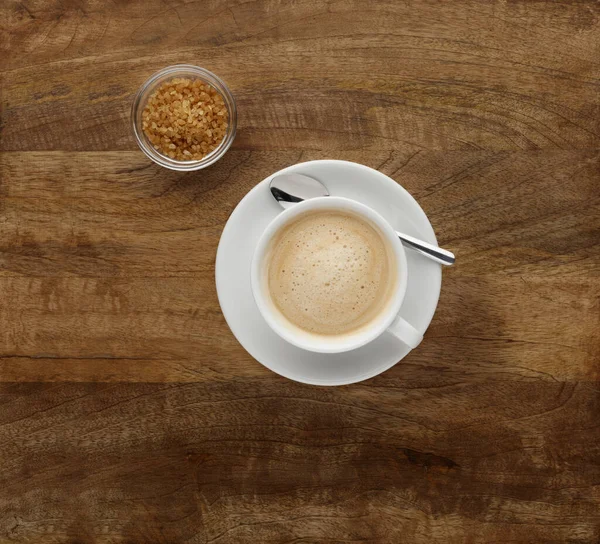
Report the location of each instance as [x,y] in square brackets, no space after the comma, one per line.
[442,256]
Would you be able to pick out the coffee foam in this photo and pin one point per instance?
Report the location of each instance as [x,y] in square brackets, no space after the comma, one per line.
[330,272]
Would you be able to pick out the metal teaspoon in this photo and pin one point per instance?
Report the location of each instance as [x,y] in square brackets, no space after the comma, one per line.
[289,189]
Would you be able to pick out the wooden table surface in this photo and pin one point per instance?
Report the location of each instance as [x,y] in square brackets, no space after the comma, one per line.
[129,412]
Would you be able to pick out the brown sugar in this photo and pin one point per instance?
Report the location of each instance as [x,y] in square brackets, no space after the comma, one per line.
[185,119]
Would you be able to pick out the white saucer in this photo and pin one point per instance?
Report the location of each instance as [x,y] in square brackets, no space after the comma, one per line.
[234,255]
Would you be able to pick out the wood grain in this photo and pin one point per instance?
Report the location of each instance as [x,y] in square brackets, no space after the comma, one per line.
[129,412]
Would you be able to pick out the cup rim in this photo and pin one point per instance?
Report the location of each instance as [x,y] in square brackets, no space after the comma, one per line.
[354,341]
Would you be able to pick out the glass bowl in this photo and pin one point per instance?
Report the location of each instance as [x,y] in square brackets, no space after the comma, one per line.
[191,72]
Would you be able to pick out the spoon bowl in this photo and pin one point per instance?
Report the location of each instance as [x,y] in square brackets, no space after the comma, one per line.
[289,189]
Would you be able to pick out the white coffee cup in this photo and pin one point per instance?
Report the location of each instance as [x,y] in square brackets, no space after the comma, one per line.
[387,320]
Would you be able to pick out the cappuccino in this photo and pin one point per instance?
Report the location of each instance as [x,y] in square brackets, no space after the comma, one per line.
[330,272]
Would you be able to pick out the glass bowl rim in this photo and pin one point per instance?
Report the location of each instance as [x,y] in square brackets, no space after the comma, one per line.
[210,78]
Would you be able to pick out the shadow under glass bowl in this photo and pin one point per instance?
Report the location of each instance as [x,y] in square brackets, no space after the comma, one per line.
[157,79]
